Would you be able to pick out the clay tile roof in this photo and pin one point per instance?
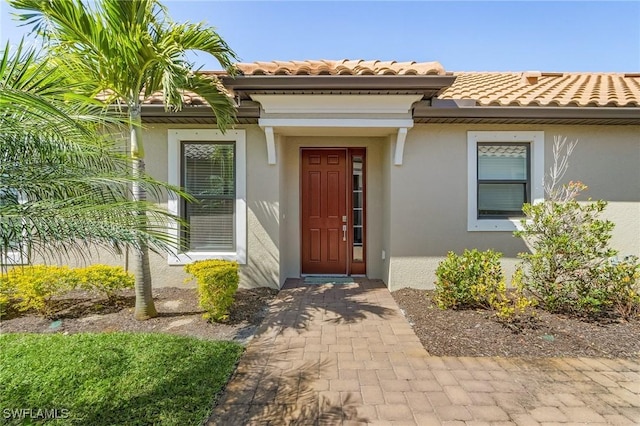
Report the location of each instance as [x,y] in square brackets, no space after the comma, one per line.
[342,67]
[546,89]
[526,89]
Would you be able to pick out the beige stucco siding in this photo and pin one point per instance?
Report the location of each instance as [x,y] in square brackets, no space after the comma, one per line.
[428,194]
[263,232]
[416,212]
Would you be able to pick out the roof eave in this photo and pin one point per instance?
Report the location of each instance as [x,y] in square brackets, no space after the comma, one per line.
[614,115]
[338,82]
[246,113]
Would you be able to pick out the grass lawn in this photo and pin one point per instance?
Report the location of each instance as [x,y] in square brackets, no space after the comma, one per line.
[113,378]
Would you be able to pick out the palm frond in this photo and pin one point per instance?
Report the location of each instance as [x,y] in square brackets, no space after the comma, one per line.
[64,183]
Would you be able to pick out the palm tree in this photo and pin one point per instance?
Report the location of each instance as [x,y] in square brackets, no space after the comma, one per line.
[131,50]
[64,184]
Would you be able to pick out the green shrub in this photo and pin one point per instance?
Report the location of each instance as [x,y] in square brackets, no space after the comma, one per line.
[569,268]
[515,309]
[33,287]
[104,279]
[6,293]
[217,285]
[616,289]
[473,279]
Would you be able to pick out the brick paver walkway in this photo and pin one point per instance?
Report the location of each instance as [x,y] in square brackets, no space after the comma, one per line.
[344,354]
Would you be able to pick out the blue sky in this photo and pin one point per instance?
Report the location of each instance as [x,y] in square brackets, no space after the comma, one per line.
[462,36]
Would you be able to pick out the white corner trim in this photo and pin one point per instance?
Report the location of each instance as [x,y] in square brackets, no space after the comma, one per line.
[536,139]
[336,104]
[271,145]
[400,139]
[175,136]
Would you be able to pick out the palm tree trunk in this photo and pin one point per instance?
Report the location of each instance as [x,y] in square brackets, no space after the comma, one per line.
[145,308]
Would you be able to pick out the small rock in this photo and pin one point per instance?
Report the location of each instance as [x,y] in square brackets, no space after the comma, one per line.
[55,325]
[171,304]
[178,323]
[90,318]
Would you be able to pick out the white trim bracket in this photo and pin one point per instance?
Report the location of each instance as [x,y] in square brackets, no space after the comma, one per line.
[400,138]
[271,145]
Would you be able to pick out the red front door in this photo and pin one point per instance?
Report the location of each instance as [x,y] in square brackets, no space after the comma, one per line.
[324,211]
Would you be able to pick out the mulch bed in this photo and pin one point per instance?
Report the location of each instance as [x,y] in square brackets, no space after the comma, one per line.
[478,333]
[442,332]
[178,310]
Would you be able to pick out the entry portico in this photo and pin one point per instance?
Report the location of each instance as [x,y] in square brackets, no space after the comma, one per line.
[328,134]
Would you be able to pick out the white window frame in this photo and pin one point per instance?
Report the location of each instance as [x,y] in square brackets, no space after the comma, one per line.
[16,257]
[175,137]
[536,141]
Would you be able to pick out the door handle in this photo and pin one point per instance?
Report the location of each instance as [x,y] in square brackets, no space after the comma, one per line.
[344,232]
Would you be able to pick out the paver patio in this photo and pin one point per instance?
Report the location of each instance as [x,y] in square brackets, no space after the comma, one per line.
[345,354]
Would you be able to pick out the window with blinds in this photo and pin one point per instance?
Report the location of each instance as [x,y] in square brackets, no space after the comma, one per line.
[503,179]
[208,174]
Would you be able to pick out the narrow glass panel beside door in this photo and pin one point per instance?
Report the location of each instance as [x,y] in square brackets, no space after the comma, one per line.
[357,206]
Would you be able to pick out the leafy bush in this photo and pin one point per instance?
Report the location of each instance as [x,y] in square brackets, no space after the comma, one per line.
[217,285]
[515,309]
[6,293]
[33,287]
[616,289]
[104,279]
[569,243]
[473,279]
[569,268]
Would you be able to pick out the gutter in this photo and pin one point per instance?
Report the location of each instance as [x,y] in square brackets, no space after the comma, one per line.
[245,110]
[422,110]
[338,82]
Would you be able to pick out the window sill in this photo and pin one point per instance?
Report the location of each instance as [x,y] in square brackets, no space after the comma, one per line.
[499,225]
[190,257]
[13,258]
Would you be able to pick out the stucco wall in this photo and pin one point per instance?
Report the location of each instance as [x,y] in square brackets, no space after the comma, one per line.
[428,194]
[416,212]
[263,237]
[263,231]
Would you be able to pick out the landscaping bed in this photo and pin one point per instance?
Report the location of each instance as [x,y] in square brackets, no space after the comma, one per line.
[477,333]
[178,309]
[443,332]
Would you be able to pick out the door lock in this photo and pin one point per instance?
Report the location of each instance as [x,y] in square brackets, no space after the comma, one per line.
[344,219]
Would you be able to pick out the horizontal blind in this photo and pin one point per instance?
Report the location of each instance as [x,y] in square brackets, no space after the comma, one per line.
[502,162]
[503,175]
[500,198]
[209,176]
